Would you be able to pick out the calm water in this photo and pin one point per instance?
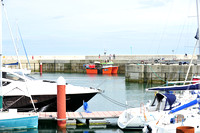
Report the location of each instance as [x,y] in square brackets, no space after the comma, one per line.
[115,89]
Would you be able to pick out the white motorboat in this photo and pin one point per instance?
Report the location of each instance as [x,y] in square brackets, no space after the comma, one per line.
[43,92]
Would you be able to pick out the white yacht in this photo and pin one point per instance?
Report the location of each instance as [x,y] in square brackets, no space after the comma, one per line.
[16,93]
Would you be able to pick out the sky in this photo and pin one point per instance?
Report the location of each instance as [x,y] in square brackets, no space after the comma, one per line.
[89,27]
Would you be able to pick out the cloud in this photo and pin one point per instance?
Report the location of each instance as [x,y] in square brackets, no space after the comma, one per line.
[153,3]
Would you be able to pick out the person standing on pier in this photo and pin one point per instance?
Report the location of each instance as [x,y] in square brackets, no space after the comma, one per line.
[113,56]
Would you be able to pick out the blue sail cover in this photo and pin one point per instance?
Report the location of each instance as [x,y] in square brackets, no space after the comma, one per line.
[171,98]
[12,64]
[184,106]
[177,88]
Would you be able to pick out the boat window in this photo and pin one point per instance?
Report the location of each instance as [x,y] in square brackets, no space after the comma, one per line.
[12,77]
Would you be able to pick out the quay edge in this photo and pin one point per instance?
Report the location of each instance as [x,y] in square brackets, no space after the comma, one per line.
[160,73]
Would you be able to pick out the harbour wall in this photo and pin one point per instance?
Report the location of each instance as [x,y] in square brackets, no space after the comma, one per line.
[148,73]
[130,65]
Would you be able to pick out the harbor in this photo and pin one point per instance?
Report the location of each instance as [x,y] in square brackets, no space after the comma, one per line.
[114,87]
[93,67]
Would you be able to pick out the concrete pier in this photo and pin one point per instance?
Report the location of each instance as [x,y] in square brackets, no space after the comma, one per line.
[159,73]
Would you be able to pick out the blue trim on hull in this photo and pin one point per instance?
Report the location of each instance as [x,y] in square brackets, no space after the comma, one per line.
[19,123]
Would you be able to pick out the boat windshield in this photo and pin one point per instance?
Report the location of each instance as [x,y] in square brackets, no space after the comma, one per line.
[26,75]
[29,77]
[11,76]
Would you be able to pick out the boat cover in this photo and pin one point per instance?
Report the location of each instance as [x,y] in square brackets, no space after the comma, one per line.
[184,106]
[12,64]
[195,86]
[170,99]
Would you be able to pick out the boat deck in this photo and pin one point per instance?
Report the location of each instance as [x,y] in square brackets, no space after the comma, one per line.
[75,115]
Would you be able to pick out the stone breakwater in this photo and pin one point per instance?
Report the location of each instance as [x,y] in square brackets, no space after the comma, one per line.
[159,73]
[130,65]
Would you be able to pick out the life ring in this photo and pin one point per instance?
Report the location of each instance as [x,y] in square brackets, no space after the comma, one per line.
[155,61]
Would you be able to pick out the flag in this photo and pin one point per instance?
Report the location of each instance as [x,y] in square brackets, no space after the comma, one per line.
[197,34]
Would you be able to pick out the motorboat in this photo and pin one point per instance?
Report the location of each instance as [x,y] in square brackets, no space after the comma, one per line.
[17,88]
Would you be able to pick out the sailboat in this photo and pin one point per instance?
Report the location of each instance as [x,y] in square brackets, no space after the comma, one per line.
[134,118]
[10,119]
[181,117]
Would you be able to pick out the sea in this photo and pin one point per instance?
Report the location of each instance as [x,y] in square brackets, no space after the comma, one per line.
[116,95]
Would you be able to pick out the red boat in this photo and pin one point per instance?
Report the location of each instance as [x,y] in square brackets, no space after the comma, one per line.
[101,68]
[196,79]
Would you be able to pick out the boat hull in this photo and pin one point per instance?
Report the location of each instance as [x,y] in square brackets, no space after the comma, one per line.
[19,123]
[107,70]
[91,71]
[45,103]
[114,69]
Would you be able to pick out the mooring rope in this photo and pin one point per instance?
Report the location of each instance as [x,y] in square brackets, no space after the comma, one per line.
[115,102]
[156,74]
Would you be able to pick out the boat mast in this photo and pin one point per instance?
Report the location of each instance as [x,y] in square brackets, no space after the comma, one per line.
[197,37]
[13,40]
[1,95]
[197,4]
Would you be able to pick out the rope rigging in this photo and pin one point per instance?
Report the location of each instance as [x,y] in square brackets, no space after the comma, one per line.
[11,34]
[115,102]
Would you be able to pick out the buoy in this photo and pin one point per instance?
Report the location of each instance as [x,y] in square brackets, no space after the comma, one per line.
[40,68]
[61,103]
[185,129]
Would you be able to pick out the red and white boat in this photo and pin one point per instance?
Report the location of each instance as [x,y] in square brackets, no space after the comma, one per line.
[101,68]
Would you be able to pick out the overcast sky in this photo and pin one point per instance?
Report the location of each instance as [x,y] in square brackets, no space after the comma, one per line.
[88,27]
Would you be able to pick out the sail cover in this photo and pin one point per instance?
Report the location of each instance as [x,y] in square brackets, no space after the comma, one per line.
[169,100]
[12,64]
[184,106]
[195,86]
